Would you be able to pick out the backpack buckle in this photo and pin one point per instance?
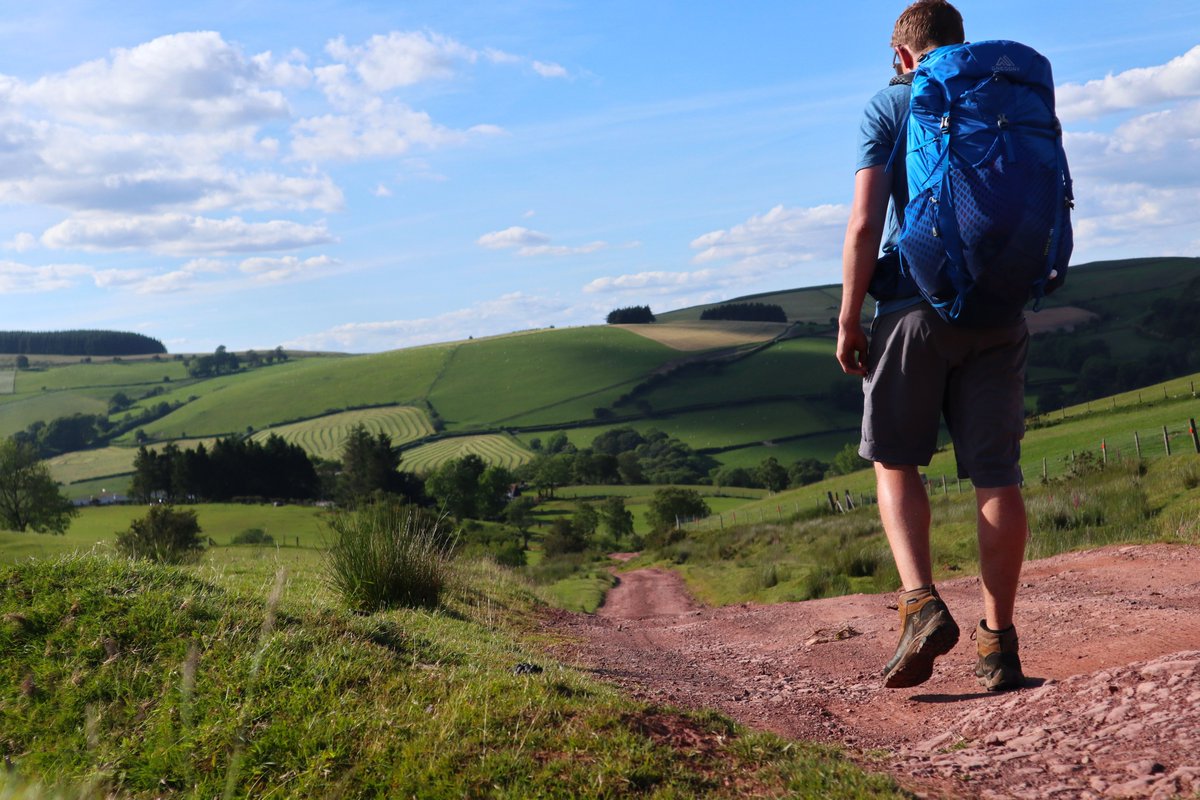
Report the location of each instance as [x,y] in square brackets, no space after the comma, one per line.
[1002,122]
[945,123]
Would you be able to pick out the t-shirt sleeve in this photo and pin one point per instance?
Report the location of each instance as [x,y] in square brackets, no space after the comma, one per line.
[877,133]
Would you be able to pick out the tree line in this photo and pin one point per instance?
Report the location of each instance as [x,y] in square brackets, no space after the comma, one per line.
[79,343]
[630,315]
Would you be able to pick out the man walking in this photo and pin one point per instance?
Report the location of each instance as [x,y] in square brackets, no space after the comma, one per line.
[917,367]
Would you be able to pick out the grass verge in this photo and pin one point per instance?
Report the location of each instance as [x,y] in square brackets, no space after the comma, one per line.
[142,680]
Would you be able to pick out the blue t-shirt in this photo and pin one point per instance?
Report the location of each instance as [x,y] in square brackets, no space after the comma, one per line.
[882,124]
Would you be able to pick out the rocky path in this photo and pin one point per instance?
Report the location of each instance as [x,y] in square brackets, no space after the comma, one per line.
[1109,638]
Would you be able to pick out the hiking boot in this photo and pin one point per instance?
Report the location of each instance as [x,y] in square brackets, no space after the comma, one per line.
[926,631]
[999,666]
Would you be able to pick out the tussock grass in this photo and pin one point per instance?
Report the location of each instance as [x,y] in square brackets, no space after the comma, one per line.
[384,555]
[139,680]
[819,554]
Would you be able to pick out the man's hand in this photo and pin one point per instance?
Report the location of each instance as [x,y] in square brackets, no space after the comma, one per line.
[852,348]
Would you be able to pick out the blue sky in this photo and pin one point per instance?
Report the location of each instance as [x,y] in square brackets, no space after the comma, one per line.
[366,176]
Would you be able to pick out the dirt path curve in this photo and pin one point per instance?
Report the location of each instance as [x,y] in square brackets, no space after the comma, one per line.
[1109,638]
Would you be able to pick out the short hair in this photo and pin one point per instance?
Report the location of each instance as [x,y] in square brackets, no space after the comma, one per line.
[927,24]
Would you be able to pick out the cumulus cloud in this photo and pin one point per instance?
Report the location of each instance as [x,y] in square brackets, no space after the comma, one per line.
[118,278]
[515,311]
[653,281]
[21,242]
[1136,183]
[380,130]
[528,242]
[402,58]
[778,238]
[17,278]
[549,70]
[278,269]
[516,236]
[182,81]
[1134,88]
[181,234]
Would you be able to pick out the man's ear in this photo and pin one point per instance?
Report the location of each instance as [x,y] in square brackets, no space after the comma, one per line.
[908,59]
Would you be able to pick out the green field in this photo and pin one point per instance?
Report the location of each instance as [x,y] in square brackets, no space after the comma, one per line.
[113,375]
[95,528]
[495,449]
[542,378]
[326,436]
[302,389]
[88,465]
[8,381]
[19,411]
[792,368]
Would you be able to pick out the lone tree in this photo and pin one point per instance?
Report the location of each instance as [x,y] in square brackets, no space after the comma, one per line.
[29,497]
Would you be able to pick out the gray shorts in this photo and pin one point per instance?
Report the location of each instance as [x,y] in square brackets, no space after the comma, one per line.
[921,367]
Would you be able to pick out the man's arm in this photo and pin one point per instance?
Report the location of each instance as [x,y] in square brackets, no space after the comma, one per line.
[868,213]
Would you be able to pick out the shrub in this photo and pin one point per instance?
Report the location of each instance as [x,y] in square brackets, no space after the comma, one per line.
[164,535]
[563,537]
[253,536]
[386,555]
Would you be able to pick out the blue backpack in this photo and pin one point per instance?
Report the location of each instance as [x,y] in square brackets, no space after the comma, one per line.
[988,221]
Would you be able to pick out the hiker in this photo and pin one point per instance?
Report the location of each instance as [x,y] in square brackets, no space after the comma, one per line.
[922,360]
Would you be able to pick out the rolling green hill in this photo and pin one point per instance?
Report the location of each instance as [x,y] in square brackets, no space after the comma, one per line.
[741,400]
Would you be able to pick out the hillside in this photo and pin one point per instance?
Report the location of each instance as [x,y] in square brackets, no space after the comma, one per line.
[738,391]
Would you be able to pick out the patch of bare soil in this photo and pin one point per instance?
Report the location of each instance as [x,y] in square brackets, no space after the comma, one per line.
[708,334]
[1110,640]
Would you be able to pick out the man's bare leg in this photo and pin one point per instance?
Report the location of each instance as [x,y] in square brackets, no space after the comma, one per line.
[1003,530]
[926,628]
[904,509]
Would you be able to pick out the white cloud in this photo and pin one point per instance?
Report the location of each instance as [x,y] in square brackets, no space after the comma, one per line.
[117,278]
[209,265]
[1135,88]
[402,58]
[1136,185]
[278,269]
[778,239]
[500,57]
[181,235]
[549,70]
[562,250]
[168,282]
[511,312]
[381,130]
[654,281]
[533,243]
[516,236]
[17,278]
[381,191]
[22,242]
[182,81]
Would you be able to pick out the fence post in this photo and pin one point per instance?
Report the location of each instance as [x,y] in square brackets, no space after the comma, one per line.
[959,482]
[1192,430]
[1137,443]
[1193,388]
[1044,476]
[1166,440]
[721,517]
[1104,451]
[944,490]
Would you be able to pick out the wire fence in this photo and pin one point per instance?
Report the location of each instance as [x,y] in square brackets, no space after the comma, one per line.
[1145,444]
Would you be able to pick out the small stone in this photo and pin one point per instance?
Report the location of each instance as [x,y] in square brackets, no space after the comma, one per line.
[1145,766]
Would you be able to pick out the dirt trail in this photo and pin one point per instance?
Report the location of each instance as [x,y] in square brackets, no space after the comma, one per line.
[1110,640]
